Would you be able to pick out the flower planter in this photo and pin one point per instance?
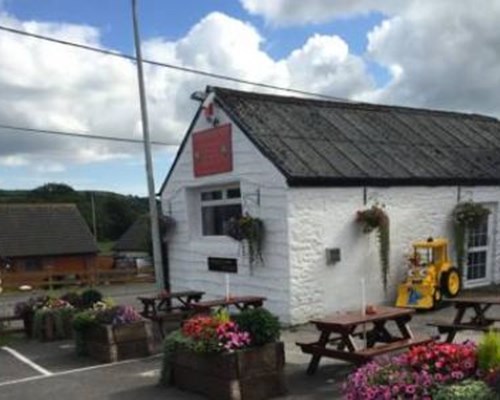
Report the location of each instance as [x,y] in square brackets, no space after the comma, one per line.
[51,327]
[251,374]
[108,343]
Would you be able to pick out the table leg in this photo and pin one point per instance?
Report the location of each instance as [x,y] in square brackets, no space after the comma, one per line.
[480,317]
[457,320]
[378,333]
[404,328]
[314,363]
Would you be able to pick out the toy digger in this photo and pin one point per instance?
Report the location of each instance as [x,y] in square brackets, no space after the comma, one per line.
[430,276]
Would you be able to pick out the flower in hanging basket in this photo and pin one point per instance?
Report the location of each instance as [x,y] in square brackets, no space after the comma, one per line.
[376,218]
[249,229]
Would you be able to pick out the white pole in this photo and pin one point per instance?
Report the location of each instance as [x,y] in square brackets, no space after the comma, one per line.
[153,209]
[227,286]
[363,308]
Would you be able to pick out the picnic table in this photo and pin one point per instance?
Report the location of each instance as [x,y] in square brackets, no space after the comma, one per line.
[337,335]
[240,302]
[160,308]
[478,321]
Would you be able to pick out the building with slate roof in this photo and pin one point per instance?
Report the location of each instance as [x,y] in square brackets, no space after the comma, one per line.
[133,248]
[305,167]
[35,237]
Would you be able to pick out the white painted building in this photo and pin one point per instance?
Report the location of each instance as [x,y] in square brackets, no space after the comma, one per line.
[304,167]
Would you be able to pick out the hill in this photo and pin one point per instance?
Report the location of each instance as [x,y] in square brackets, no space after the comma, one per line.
[114,212]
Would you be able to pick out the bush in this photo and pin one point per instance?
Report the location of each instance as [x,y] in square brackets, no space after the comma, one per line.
[488,351]
[466,390]
[72,298]
[90,297]
[262,326]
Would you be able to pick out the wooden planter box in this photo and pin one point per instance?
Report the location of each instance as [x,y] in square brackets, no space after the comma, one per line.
[250,374]
[48,331]
[107,343]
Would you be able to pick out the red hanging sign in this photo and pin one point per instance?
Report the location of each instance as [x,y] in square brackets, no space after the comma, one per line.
[212,151]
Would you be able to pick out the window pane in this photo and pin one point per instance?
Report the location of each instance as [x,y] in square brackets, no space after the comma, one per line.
[212,195]
[233,193]
[214,218]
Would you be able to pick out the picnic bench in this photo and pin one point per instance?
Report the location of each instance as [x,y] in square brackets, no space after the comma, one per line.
[337,333]
[240,302]
[477,322]
[174,306]
[7,319]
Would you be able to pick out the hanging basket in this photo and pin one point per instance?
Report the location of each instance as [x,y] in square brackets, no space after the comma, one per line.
[375,218]
[250,230]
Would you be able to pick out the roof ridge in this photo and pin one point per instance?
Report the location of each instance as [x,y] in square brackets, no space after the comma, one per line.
[350,105]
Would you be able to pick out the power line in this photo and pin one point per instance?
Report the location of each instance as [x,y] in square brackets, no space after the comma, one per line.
[172,66]
[80,135]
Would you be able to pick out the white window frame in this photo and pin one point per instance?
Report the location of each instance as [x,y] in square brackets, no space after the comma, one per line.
[223,201]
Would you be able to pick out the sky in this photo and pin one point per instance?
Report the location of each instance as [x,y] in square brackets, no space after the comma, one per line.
[441,54]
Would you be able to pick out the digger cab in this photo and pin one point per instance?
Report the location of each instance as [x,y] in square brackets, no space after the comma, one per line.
[430,276]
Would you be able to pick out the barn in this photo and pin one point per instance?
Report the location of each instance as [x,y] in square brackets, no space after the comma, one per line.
[304,168]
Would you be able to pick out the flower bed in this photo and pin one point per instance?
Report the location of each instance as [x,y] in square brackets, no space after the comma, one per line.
[227,359]
[440,370]
[112,333]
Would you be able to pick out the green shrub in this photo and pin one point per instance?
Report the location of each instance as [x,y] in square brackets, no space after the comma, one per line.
[174,341]
[59,319]
[90,297]
[72,298]
[488,351]
[466,390]
[263,326]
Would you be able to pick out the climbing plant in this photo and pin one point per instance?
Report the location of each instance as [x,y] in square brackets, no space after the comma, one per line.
[466,215]
[375,218]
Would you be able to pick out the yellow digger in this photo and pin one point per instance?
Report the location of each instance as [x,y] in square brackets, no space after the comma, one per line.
[430,276]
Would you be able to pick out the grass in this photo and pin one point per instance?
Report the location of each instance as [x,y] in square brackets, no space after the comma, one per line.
[105,248]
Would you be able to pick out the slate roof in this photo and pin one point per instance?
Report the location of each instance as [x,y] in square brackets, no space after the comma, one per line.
[135,237]
[317,142]
[43,230]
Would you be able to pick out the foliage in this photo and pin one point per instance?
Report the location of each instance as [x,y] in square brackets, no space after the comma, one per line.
[466,215]
[174,341]
[56,314]
[114,212]
[262,326]
[73,298]
[251,230]
[376,218]
[414,374]
[488,351]
[466,390]
[118,315]
[90,297]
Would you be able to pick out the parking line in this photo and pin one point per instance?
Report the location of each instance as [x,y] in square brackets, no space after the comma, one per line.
[27,361]
[73,371]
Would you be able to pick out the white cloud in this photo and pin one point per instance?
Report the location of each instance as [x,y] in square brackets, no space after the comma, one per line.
[49,86]
[317,11]
[441,54]
[13,160]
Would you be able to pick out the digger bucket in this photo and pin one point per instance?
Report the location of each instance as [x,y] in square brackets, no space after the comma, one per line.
[415,296]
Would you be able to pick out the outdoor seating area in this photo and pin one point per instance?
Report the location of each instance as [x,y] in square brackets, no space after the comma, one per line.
[342,343]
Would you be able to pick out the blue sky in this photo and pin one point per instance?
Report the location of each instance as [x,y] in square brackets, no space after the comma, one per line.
[381,53]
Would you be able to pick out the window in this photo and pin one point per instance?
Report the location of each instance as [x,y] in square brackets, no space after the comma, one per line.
[217,207]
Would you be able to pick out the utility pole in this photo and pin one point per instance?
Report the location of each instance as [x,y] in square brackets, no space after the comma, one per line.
[153,209]
[94,224]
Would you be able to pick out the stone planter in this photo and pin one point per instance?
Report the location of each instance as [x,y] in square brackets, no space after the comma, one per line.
[250,374]
[107,343]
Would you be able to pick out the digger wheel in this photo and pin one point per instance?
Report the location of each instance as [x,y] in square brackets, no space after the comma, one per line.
[436,298]
[451,282]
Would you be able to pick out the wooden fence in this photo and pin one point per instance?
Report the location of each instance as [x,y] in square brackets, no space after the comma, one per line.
[50,279]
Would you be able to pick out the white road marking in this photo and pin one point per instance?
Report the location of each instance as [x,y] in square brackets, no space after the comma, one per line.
[150,374]
[27,361]
[72,371]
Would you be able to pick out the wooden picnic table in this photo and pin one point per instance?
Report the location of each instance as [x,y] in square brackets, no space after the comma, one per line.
[340,331]
[161,307]
[240,302]
[477,322]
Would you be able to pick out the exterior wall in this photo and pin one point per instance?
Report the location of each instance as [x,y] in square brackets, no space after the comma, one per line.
[57,263]
[263,192]
[320,218]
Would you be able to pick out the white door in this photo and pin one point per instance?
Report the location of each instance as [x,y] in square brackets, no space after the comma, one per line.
[479,257]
